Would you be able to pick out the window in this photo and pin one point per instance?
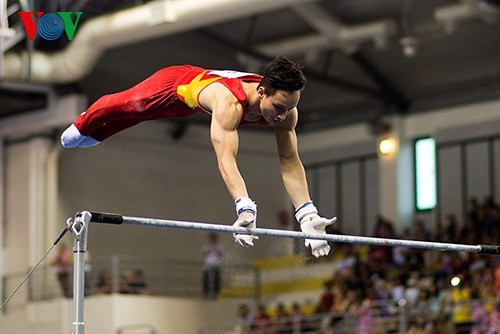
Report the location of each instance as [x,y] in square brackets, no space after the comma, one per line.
[425,174]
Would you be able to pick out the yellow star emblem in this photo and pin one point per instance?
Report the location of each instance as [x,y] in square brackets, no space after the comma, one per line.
[191,90]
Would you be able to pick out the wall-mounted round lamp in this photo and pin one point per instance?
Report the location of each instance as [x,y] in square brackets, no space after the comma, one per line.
[387,145]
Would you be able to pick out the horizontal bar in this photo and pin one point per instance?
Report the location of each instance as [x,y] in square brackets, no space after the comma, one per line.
[107,218]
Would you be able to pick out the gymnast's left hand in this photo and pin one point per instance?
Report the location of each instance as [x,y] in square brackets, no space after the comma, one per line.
[313,223]
[246,220]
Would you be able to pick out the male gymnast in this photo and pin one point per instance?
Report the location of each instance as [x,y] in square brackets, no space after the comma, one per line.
[232,98]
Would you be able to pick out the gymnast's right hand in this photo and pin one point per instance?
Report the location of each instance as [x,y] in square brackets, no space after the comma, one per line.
[246,209]
[246,220]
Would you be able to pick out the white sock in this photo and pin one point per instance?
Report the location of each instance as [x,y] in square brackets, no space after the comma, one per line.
[71,137]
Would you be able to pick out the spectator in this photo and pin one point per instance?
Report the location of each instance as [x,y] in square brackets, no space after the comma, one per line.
[419,231]
[400,253]
[451,229]
[262,323]
[346,300]
[380,255]
[327,298]
[462,312]
[422,306]
[412,290]
[363,311]
[479,314]
[104,282]
[124,282]
[334,325]
[491,217]
[495,318]
[63,261]
[348,257]
[214,253]
[137,283]
[420,326]
[299,324]
[475,217]
[397,288]
[435,301]
[496,274]
[283,323]
[245,319]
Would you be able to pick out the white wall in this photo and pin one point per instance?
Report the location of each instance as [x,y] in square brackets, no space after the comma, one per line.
[108,313]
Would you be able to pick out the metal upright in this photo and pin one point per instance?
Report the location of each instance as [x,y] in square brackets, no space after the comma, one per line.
[79,228]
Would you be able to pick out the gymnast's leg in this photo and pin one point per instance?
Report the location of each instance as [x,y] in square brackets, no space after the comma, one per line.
[115,112]
[107,116]
[72,137]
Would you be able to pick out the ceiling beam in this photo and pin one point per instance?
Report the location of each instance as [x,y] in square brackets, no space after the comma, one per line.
[391,94]
[333,81]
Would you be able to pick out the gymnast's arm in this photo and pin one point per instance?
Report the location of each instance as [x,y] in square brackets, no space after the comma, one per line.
[294,178]
[224,135]
[226,116]
[292,170]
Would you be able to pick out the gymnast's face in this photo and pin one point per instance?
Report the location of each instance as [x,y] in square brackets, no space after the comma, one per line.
[276,107]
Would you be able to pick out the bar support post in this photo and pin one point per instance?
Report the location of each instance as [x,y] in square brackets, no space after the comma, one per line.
[79,228]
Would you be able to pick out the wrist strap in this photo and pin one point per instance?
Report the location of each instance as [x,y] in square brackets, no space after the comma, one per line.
[245,204]
[304,210]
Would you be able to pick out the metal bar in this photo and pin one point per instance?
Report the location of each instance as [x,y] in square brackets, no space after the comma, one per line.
[116,219]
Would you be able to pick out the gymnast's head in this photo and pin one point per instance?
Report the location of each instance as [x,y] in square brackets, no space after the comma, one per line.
[282,74]
[280,88]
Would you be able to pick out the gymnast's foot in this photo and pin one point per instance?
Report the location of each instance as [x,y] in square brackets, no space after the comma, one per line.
[71,137]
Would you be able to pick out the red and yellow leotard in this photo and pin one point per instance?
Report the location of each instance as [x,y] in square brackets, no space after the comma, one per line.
[171,92]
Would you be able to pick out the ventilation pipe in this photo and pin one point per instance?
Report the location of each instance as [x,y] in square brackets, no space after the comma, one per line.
[154,19]
[450,16]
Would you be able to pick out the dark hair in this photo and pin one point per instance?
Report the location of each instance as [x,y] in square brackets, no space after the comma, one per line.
[282,74]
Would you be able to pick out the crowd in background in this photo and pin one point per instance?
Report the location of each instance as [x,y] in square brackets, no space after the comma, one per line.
[130,282]
[442,292]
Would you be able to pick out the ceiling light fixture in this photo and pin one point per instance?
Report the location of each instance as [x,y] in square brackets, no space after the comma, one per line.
[409,46]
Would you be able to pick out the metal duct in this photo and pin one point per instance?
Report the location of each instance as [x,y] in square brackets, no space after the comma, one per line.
[157,18]
[450,16]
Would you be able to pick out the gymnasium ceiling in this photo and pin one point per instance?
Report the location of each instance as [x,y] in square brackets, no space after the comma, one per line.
[364,59]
